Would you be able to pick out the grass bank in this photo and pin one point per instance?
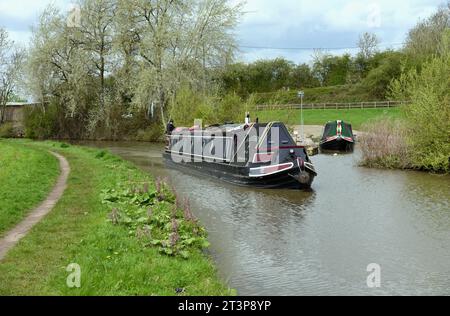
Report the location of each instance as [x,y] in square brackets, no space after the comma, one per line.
[98,224]
[358,117]
[27,175]
[344,93]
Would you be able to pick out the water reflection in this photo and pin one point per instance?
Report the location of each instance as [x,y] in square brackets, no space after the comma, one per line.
[287,242]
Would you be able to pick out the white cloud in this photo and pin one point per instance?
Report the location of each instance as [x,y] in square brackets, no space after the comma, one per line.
[325,23]
[282,23]
[29,8]
[20,15]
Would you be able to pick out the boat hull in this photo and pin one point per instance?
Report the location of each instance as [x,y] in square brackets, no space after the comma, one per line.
[338,144]
[292,179]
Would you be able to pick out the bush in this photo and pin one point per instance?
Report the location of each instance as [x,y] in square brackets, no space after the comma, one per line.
[150,134]
[384,145]
[7,130]
[190,105]
[51,122]
[230,109]
[157,217]
[331,94]
[428,116]
[378,80]
[41,123]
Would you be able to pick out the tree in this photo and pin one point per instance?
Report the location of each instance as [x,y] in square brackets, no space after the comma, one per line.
[62,71]
[425,39]
[368,45]
[49,55]
[127,57]
[387,68]
[302,77]
[428,114]
[125,49]
[11,59]
[234,78]
[319,68]
[331,70]
[97,36]
[178,40]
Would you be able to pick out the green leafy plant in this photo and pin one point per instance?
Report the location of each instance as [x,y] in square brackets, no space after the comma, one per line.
[6,130]
[428,115]
[157,217]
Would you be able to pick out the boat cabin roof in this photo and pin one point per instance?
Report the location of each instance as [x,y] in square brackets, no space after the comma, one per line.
[331,129]
[334,123]
[231,127]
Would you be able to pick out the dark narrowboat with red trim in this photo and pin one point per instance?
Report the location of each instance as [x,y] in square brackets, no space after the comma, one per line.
[251,154]
[337,136]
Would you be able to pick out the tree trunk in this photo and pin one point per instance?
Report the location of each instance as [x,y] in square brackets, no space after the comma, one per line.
[162,102]
[2,113]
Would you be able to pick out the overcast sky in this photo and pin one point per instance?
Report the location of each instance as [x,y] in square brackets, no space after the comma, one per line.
[280,24]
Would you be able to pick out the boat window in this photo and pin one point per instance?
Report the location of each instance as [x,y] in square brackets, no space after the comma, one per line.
[347,130]
[330,129]
[285,138]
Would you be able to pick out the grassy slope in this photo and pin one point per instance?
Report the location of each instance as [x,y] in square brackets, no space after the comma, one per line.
[112,262]
[319,117]
[345,93]
[26,177]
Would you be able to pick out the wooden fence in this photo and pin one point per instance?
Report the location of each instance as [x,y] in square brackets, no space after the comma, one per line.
[335,106]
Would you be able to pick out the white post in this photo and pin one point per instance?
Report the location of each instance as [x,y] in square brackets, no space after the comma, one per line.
[301,94]
[302,121]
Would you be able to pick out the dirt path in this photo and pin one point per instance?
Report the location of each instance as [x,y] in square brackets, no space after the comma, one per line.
[14,235]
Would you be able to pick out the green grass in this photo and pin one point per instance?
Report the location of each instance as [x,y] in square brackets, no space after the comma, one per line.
[344,93]
[27,176]
[357,117]
[112,261]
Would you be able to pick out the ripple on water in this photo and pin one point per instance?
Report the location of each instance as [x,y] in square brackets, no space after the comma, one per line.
[282,242]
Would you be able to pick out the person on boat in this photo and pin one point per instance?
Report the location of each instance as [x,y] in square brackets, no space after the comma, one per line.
[247,118]
[247,121]
[170,127]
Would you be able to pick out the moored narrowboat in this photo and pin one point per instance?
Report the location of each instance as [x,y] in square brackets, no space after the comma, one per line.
[338,136]
[251,154]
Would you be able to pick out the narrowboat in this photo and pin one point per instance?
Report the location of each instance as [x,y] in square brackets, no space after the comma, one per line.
[337,136]
[250,154]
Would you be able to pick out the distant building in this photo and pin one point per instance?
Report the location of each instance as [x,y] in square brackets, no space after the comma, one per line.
[14,112]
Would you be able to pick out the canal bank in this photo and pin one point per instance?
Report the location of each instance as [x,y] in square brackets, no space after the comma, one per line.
[27,176]
[285,242]
[81,232]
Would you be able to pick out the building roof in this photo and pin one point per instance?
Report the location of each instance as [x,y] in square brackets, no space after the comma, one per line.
[20,104]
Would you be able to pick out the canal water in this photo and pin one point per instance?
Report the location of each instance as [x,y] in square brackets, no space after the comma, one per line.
[283,242]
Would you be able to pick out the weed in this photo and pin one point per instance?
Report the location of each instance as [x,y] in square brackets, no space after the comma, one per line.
[153,215]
